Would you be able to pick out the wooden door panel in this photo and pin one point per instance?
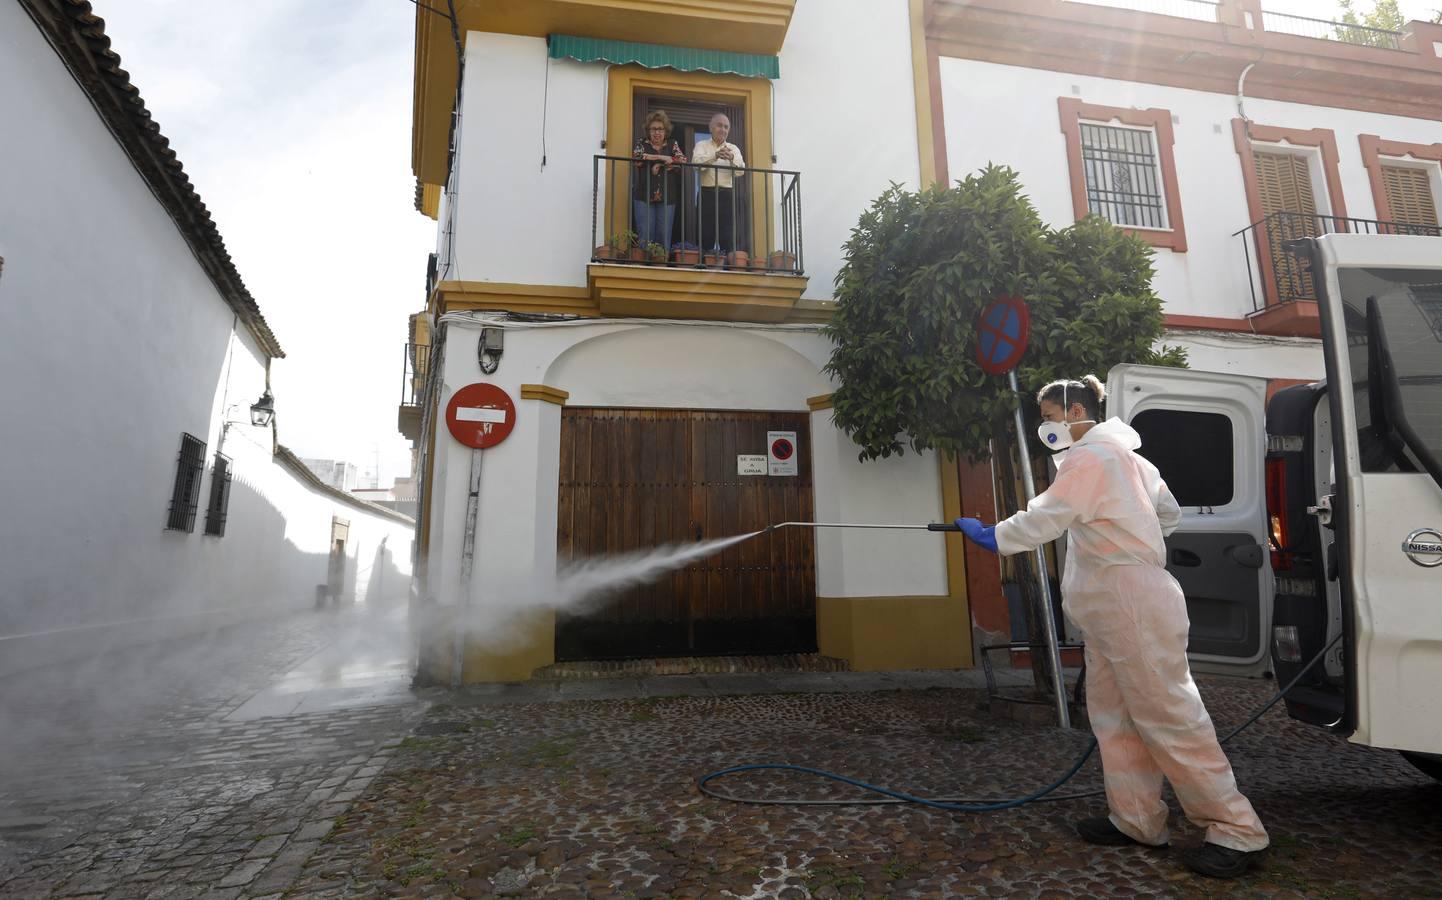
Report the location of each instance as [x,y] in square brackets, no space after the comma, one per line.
[636,479]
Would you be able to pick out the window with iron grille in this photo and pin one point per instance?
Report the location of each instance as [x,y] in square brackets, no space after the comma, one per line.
[1123,179]
[185,496]
[215,511]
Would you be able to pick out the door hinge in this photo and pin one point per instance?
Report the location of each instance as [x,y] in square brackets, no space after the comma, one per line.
[1323,510]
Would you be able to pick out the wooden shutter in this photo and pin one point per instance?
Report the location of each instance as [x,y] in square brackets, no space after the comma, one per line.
[1284,182]
[1409,193]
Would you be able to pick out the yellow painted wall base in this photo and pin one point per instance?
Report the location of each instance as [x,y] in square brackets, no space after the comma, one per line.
[528,644]
[883,633]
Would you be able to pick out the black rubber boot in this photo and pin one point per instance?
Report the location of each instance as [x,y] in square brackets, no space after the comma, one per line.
[1100,830]
[1216,861]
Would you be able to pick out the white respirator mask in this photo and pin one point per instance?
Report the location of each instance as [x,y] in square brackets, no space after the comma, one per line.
[1056,436]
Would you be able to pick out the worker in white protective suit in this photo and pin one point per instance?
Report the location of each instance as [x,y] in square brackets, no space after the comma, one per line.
[1145,710]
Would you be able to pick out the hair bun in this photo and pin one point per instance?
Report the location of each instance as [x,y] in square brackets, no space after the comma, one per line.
[1096,385]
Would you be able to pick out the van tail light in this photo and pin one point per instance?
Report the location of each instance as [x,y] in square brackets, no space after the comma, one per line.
[1287,644]
[1277,524]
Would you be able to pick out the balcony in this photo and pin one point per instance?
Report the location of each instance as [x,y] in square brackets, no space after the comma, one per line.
[740,26]
[413,388]
[735,255]
[1284,297]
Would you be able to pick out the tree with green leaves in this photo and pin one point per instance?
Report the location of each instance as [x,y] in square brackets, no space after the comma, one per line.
[1385,14]
[919,269]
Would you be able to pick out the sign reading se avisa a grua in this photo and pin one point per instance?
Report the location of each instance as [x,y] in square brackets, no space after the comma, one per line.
[781,452]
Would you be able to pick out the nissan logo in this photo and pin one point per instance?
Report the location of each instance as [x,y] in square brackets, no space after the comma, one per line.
[1424,547]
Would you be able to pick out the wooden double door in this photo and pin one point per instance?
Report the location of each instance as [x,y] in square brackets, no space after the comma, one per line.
[633,480]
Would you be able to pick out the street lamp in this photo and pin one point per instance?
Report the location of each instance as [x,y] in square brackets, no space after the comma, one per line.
[263,410]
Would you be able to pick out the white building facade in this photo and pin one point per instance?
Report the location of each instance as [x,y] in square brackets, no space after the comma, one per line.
[643,378]
[140,500]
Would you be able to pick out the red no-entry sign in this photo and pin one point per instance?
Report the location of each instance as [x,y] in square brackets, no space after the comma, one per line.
[1001,335]
[480,415]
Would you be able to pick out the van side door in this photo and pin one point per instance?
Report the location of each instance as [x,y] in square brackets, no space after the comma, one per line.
[1205,432]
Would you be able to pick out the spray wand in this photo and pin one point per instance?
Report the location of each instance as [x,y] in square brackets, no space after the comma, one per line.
[933,526]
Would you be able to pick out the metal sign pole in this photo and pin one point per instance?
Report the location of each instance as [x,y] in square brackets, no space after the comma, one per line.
[1048,618]
[468,558]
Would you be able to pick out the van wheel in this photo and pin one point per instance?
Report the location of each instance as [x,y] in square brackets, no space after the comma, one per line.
[1425,763]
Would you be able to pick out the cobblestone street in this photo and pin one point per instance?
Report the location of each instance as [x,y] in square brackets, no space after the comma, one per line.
[598,798]
[246,776]
[201,767]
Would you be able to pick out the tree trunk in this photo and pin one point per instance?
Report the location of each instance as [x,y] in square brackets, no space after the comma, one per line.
[1021,568]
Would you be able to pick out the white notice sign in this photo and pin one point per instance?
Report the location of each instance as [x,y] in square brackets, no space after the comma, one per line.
[748,464]
[781,452]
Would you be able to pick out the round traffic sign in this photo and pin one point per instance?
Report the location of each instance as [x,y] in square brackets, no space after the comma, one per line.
[1001,335]
[782,449]
[480,415]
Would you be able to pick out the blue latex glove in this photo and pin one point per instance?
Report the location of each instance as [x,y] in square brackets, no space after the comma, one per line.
[984,536]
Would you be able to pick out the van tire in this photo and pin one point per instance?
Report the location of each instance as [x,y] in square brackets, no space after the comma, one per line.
[1425,763]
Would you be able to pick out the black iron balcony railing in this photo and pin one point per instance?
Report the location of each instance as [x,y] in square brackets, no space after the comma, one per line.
[1328,30]
[1278,277]
[413,374]
[696,216]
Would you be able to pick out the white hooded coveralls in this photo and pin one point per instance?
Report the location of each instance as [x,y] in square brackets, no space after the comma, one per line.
[1145,710]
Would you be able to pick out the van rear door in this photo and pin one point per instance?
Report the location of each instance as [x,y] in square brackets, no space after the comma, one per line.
[1380,300]
[1205,432]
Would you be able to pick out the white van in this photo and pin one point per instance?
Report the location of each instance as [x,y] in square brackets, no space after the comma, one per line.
[1320,514]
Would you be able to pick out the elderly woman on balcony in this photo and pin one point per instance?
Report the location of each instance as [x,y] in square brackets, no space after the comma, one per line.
[718,203]
[656,183]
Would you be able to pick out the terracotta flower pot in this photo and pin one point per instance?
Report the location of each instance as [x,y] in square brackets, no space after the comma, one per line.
[714,260]
[686,257]
[603,252]
[636,254]
[783,261]
[738,259]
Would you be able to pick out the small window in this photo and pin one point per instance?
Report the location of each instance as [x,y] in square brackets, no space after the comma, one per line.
[215,511]
[1122,169]
[185,496]
[1192,450]
[1123,179]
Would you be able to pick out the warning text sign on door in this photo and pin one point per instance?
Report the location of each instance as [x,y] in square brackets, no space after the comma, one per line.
[781,452]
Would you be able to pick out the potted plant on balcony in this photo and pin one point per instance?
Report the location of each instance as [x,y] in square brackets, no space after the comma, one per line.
[738,259]
[783,261]
[619,246]
[714,258]
[655,254]
[686,254]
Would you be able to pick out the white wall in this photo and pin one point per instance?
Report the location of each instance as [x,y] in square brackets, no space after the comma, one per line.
[847,125]
[906,490]
[845,118]
[112,343]
[1008,115]
[515,221]
[668,366]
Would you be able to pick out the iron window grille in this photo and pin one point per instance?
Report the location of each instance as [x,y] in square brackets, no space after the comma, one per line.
[215,511]
[1123,179]
[185,496]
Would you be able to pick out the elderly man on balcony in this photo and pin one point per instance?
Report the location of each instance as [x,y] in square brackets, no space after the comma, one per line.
[718,204]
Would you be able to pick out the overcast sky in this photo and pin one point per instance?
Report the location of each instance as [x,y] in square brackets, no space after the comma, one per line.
[292,118]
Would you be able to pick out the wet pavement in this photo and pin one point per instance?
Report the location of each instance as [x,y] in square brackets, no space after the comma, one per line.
[210,766]
[291,758]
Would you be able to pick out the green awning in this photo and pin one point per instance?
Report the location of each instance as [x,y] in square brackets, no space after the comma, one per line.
[659,56]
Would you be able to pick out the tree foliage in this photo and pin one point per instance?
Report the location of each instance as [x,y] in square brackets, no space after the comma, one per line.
[920,268]
[1385,14]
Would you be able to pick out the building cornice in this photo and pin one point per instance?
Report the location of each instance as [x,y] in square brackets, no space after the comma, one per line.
[78,37]
[1209,56]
